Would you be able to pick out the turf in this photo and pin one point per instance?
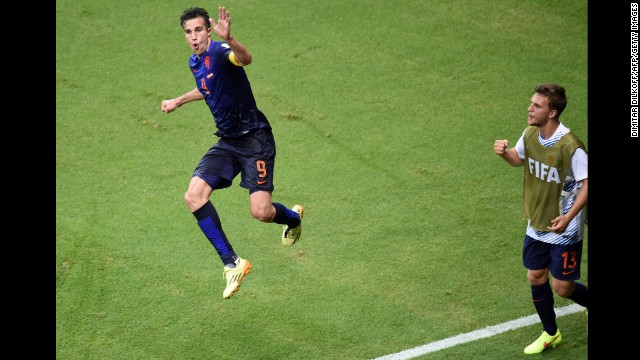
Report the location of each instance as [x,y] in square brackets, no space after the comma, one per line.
[384,114]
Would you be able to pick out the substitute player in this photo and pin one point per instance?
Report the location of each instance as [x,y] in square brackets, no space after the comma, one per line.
[555,194]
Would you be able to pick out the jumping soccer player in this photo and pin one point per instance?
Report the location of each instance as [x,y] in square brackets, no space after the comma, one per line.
[245,146]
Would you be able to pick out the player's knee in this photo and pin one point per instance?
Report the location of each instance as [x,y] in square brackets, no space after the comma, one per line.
[537,277]
[191,199]
[260,215]
[263,214]
[564,290]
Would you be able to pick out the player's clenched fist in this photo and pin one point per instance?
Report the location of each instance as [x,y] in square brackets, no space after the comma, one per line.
[168,105]
[500,147]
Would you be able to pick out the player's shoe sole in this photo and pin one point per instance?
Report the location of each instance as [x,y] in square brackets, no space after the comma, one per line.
[291,235]
[544,342]
[234,277]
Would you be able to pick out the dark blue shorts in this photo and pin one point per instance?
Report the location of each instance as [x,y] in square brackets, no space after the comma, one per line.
[252,155]
[563,261]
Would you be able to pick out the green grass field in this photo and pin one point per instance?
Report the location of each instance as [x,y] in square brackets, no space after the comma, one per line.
[384,113]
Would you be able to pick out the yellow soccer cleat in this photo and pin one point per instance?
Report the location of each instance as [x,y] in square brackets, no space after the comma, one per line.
[544,341]
[234,276]
[291,235]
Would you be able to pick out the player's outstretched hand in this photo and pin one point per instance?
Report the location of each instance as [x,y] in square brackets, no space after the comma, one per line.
[223,26]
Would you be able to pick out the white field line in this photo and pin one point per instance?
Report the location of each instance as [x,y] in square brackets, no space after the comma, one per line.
[476,335]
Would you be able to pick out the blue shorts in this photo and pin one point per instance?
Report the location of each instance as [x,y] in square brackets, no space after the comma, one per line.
[252,155]
[563,261]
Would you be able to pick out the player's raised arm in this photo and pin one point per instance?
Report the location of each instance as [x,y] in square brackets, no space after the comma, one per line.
[510,155]
[241,56]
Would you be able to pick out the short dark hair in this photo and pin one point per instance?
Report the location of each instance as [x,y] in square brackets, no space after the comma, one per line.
[556,96]
[195,12]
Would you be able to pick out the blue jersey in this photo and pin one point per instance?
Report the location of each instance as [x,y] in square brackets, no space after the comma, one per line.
[227,92]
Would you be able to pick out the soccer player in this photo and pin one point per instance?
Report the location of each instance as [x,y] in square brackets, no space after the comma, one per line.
[245,143]
[555,196]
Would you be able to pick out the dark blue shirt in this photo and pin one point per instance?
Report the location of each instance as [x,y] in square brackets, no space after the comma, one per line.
[227,92]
